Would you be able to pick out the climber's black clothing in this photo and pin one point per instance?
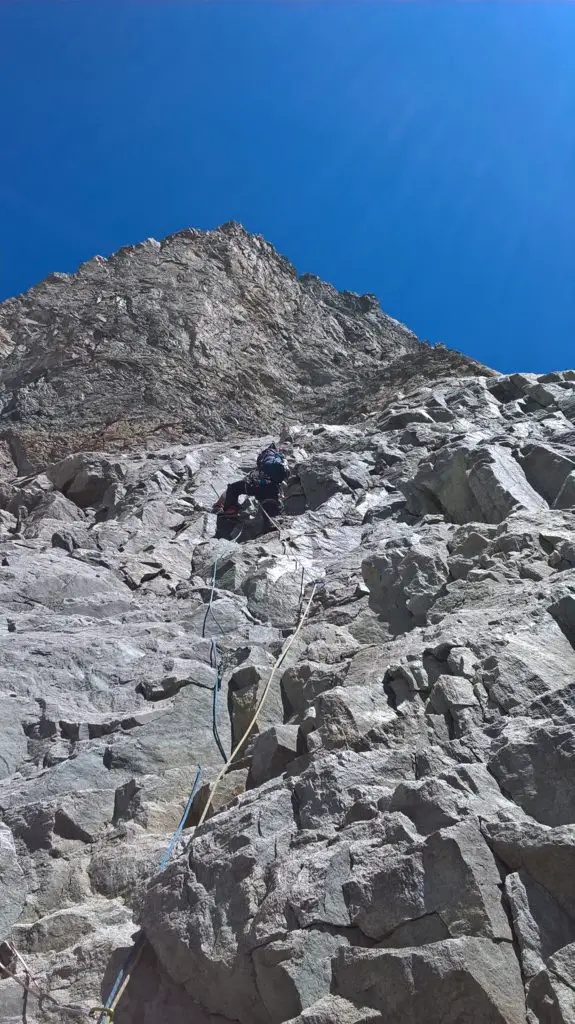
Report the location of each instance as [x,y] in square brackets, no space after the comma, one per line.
[257,486]
[264,484]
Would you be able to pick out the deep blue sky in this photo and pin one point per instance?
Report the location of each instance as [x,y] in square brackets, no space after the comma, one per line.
[421,151]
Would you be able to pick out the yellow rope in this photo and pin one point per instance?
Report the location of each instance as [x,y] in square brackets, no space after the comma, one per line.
[109,1012]
[257,712]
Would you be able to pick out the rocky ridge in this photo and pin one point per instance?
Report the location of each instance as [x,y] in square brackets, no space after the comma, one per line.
[397,840]
[192,338]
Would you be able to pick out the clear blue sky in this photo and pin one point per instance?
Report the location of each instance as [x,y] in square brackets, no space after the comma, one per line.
[421,151]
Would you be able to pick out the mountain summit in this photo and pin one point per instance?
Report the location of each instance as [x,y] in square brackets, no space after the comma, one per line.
[197,336]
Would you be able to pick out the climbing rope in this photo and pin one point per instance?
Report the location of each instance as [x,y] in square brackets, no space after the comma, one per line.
[211,600]
[215,786]
[216,664]
[106,1013]
[272,521]
[30,987]
[183,819]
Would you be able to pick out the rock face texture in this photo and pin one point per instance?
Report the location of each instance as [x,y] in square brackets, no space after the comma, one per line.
[395,841]
[191,338]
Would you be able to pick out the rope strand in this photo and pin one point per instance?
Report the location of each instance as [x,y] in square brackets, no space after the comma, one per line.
[257,712]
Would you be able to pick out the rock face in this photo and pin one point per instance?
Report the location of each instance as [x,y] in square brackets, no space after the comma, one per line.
[192,338]
[395,841]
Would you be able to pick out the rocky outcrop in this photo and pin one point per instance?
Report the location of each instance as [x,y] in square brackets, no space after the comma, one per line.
[194,337]
[396,838]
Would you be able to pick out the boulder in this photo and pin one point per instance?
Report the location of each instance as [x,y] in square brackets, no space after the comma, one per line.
[446,982]
[272,751]
[404,579]
[551,994]
[533,763]
[540,925]
[482,483]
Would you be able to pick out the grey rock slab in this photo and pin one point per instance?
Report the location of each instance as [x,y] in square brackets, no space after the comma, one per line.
[540,925]
[477,483]
[84,815]
[404,579]
[335,1010]
[551,994]
[198,929]
[73,973]
[534,763]
[471,979]
[180,733]
[178,673]
[246,688]
[125,864]
[231,786]
[153,996]
[452,794]
[301,684]
[452,875]
[227,615]
[451,695]
[566,496]
[368,666]
[528,667]
[320,480]
[441,484]
[272,751]
[327,790]
[14,713]
[546,854]
[294,973]
[64,928]
[86,479]
[463,884]
[50,580]
[546,469]
[13,888]
[274,593]
[499,485]
[346,714]
[82,774]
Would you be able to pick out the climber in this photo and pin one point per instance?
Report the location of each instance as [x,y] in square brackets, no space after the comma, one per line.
[264,484]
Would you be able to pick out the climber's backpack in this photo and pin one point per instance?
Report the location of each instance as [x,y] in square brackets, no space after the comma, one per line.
[272,464]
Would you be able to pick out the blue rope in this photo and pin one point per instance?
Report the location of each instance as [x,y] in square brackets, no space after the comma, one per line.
[180,827]
[122,972]
[115,987]
[106,1010]
[216,664]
